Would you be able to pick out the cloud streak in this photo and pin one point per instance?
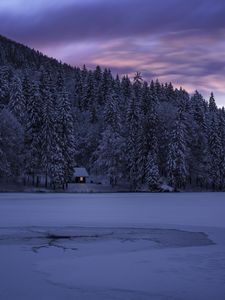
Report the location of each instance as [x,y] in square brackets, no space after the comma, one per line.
[115,19]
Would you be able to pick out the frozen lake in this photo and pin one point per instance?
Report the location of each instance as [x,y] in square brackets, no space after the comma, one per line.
[112,246]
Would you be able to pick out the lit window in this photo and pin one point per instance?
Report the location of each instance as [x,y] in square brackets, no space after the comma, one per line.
[81,179]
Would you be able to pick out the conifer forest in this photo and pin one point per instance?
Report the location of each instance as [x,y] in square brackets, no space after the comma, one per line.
[54,117]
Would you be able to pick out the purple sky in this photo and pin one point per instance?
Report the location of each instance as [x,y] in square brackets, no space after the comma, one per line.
[182,41]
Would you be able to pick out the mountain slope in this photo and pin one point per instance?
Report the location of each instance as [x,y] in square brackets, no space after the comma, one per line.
[54,116]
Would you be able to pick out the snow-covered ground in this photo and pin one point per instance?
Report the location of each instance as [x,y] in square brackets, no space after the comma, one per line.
[112,246]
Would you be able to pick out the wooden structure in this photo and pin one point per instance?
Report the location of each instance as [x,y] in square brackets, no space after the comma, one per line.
[80,175]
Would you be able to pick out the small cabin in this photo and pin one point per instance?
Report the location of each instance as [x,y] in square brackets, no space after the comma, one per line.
[80,175]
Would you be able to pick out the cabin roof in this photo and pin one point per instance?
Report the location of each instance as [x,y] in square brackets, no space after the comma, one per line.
[80,172]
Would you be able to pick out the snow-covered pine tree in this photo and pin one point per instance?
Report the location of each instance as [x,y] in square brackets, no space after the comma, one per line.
[216,154]
[94,108]
[5,171]
[97,73]
[169,93]
[198,160]
[88,92]
[176,162]
[126,91]
[48,128]
[56,164]
[78,89]
[110,156]
[5,76]
[222,137]
[159,91]
[33,130]
[138,79]
[152,90]
[65,131]
[152,172]
[17,101]
[132,151]
[105,86]
[111,114]
[26,87]
[212,104]
[126,88]
[11,144]
[147,138]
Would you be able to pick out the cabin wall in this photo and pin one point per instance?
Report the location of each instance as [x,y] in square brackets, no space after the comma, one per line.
[78,180]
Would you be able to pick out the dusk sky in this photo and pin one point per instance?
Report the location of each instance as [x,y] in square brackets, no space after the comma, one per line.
[173,40]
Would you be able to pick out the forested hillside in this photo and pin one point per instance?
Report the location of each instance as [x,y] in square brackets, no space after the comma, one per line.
[54,117]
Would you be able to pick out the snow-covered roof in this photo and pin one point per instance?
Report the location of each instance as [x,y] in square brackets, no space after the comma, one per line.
[80,172]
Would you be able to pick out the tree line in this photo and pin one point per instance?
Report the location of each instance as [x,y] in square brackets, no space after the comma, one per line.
[54,117]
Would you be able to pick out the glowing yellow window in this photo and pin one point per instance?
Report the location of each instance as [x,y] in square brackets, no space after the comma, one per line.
[81,179]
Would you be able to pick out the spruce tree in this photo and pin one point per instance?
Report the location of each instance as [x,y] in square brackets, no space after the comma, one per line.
[65,130]
[147,137]
[5,171]
[176,163]
[5,76]
[111,114]
[110,156]
[110,152]
[48,120]
[33,131]
[216,155]
[11,144]
[132,151]
[212,104]
[152,172]
[198,161]
[17,101]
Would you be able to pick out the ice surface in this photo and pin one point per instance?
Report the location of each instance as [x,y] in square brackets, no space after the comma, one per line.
[107,210]
[112,246]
